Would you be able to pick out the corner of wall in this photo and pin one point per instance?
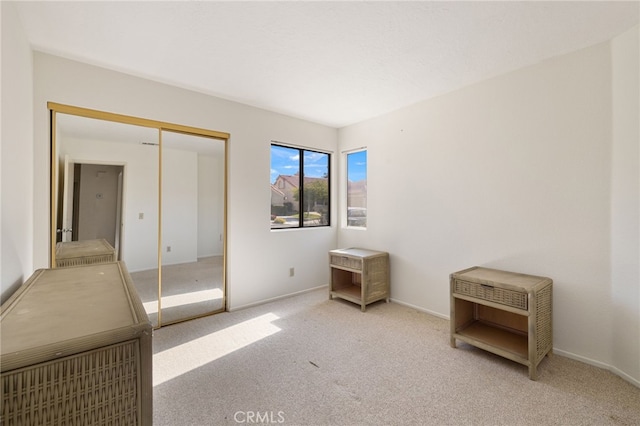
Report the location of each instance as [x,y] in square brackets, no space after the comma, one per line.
[16,158]
[625,205]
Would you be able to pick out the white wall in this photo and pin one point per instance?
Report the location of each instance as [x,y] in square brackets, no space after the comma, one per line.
[179,206]
[210,202]
[16,154]
[140,193]
[512,173]
[625,205]
[258,259]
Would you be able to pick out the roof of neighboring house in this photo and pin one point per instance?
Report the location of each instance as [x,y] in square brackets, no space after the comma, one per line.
[290,179]
[294,180]
[275,189]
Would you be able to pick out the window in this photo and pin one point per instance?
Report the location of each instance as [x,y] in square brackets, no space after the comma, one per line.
[299,199]
[357,189]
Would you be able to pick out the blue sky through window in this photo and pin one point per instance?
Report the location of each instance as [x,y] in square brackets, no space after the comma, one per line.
[286,161]
[357,166]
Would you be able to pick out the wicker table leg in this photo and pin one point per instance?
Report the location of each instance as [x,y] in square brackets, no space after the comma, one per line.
[533,372]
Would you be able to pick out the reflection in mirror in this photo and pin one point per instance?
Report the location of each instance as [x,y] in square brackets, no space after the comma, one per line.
[107,197]
[192,226]
[107,205]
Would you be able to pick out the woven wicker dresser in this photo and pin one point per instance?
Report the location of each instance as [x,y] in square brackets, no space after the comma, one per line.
[86,252]
[76,350]
[503,312]
[358,275]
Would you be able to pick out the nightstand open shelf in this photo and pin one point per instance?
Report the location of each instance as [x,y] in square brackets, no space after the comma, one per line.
[486,336]
[502,312]
[359,276]
[346,285]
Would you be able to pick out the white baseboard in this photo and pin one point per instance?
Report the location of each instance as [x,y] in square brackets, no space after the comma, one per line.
[273,299]
[599,364]
[418,308]
[625,376]
[204,256]
[582,359]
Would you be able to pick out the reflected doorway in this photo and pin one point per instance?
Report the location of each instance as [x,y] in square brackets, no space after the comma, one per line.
[92,203]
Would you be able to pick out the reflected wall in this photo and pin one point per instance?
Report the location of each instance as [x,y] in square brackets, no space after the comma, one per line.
[192,226]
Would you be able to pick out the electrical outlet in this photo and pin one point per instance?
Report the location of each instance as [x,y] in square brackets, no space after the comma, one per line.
[168,249]
[292,272]
[140,215]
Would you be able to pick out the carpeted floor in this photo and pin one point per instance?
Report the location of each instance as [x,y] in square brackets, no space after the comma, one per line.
[188,289]
[306,360]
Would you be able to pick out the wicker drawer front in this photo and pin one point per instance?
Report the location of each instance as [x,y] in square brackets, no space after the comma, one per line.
[85,260]
[493,294]
[347,262]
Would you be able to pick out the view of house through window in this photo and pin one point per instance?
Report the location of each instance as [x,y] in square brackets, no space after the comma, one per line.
[299,187]
[357,189]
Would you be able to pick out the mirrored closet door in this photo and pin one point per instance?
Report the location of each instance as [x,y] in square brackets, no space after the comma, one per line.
[151,194]
[192,226]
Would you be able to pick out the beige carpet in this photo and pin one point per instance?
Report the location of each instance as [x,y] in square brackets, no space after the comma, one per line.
[188,289]
[307,360]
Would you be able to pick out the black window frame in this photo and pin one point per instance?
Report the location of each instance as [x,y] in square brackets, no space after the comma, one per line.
[301,155]
[357,218]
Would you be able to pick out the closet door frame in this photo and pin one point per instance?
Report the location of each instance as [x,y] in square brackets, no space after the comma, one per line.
[57,108]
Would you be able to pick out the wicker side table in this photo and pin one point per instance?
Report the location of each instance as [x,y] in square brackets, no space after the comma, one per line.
[76,349]
[506,313]
[358,275]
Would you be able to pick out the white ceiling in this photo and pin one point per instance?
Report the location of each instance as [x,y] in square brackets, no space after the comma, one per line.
[335,63]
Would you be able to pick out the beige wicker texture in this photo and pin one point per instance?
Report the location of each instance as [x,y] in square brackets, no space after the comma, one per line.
[376,275]
[76,350]
[482,291]
[507,313]
[92,388]
[544,341]
[75,253]
[347,262]
[359,275]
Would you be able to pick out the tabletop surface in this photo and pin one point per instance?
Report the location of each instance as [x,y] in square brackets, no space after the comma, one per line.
[357,252]
[83,248]
[512,279]
[67,304]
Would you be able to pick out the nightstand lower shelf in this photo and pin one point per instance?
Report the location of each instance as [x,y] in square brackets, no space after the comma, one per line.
[351,293]
[507,343]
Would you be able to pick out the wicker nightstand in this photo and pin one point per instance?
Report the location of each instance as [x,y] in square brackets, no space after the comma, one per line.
[358,275]
[506,313]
